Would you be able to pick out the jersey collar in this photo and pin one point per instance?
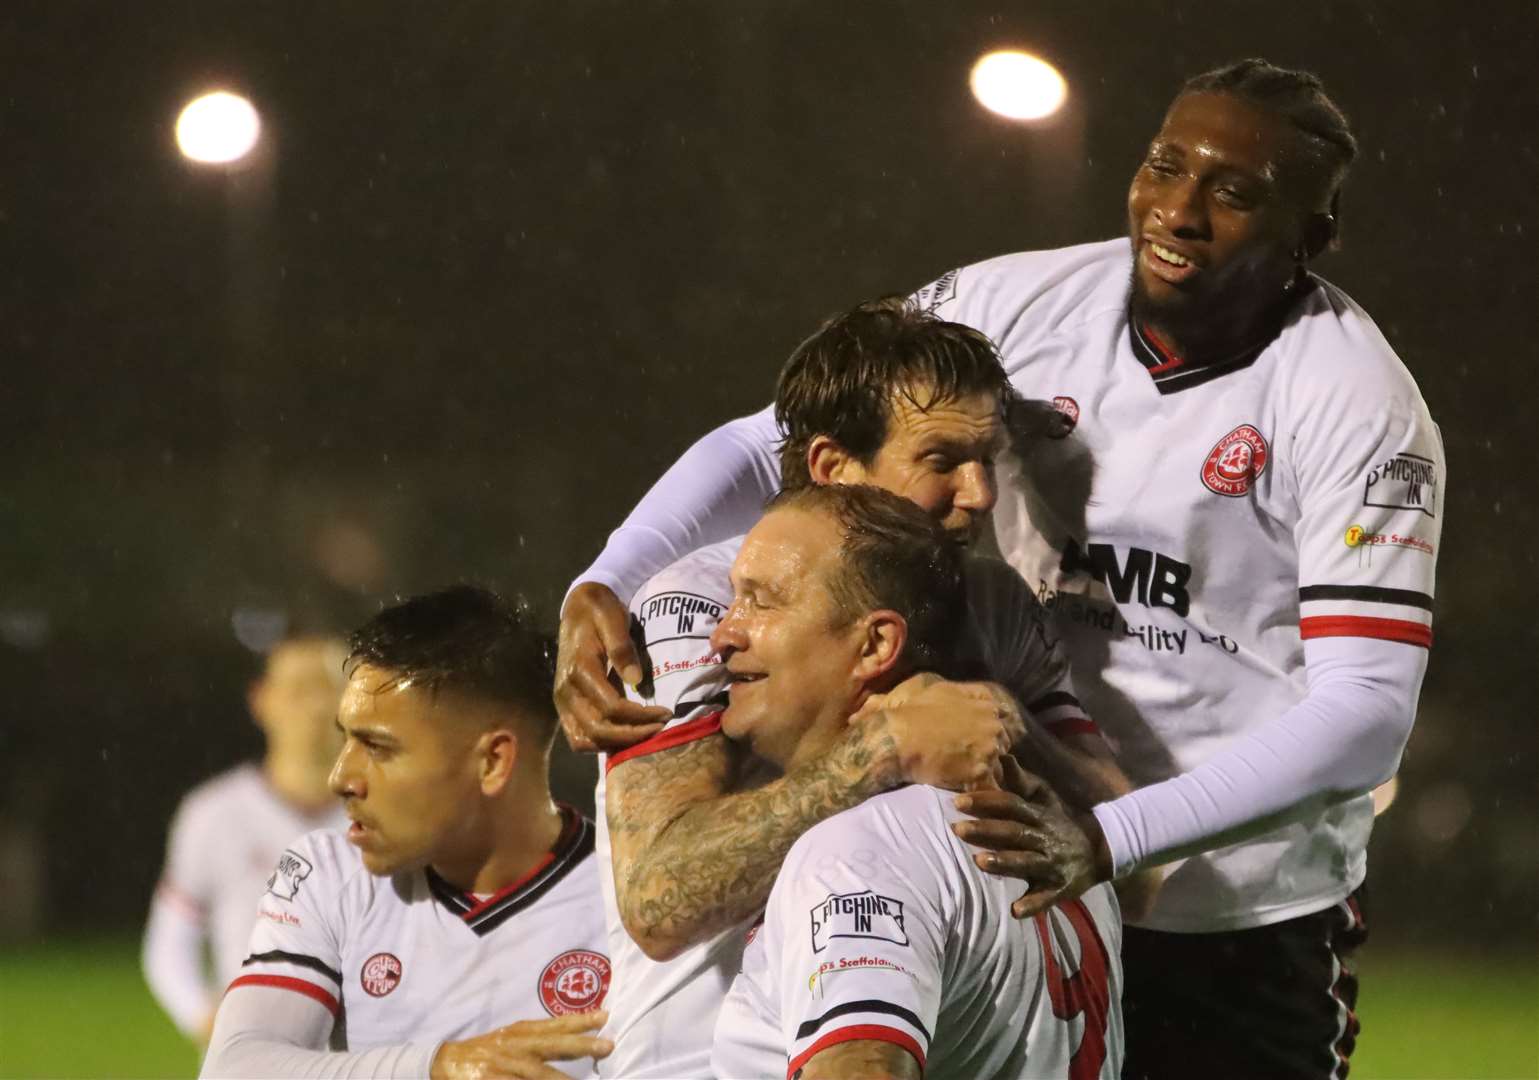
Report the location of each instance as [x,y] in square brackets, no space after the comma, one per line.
[483,916]
[1172,373]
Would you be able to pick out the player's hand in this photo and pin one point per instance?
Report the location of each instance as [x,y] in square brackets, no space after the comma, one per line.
[1029,835]
[931,731]
[521,1050]
[595,637]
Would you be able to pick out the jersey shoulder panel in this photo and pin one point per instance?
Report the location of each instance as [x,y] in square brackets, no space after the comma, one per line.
[1333,347]
[1044,292]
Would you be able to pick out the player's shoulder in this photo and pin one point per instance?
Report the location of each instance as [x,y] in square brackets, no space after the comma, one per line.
[1055,288]
[703,572]
[225,795]
[901,825]
[990,580]
[1335,348]
[320,861]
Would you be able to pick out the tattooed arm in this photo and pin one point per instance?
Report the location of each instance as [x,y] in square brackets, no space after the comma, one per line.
[694,853]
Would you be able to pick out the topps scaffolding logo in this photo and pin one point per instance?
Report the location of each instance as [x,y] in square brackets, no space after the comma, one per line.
[1404,482]
[291,870]
[857,915]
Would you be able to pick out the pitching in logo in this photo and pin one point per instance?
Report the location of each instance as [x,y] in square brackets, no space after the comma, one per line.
[576,981]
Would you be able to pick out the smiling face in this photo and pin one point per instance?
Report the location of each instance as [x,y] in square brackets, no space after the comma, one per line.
[408,773]
[794,668]
[939,456]
[1217,212]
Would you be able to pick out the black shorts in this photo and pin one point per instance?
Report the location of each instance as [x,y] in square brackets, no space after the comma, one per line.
[1277,1001]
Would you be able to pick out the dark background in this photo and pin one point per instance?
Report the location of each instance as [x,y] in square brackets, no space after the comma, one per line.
[501,262]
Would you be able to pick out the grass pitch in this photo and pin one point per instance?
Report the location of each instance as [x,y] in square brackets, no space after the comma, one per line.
[80,1009]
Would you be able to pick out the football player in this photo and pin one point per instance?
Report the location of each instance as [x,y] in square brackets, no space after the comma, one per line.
[455,929]
[1236,536]
[229,831]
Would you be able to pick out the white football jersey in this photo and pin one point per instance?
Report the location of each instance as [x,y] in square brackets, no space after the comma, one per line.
[227,834]
[1199,523]
[411,958]
[657,1012]
[881,927]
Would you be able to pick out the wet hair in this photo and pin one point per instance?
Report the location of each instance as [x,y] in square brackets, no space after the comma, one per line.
[893,556]
[464,640]
[1298,97]
[843,380]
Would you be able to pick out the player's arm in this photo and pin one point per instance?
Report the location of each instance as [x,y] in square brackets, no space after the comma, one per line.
[716,490]
[862,1059]
[176,932]
[1365,627]
[267,1031]
[692,856]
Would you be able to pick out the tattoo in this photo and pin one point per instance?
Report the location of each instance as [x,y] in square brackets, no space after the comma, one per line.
[696,853]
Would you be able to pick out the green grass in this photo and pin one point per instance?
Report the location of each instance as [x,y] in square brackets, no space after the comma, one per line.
[80,1009]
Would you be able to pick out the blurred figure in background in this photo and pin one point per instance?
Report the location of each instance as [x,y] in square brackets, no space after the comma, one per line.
[229,831]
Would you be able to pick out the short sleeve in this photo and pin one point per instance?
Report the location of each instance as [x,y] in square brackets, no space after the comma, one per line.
[856,927]
[1371,501]
[296,943]
[1019,650]
[672,618]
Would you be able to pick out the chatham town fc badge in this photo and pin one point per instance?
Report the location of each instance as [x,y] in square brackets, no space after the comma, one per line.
[1235,463]
[573,982]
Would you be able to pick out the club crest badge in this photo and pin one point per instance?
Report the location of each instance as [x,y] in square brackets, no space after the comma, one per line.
[574,982]
[1236,462]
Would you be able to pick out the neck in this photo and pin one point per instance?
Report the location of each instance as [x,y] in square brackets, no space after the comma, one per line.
[1220,331]
[520,828]
[299,781]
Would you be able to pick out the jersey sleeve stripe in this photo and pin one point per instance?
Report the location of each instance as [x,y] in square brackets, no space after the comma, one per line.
[1071,725]
[810,1027]
[875,1032]
[667,739]
[1374,593]
[1409,633]
[278,956]
[284,982]
[1056,700]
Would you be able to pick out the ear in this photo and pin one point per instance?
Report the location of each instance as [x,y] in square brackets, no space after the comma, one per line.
[496,755]
[885,633]
[1316,235]
[830,463]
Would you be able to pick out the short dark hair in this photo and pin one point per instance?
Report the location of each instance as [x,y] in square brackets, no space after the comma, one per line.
[1298,97]
[842,381]
[466,640]
[892,555]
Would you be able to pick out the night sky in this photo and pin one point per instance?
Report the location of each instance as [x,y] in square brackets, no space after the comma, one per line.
[501,262]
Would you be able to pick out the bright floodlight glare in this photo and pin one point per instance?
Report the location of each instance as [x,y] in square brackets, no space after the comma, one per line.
[1018,85]
[217,128]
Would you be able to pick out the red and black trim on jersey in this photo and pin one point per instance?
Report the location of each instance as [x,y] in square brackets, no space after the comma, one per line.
[298,985]
[1367,611]
[1172,372]
[667,739]
[1062,714]
[483,916]
[913,1037]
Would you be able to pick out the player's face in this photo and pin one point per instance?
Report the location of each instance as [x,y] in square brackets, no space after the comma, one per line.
[942,458]
[1212,221]
[295,700]
[790,663]
[406,774]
